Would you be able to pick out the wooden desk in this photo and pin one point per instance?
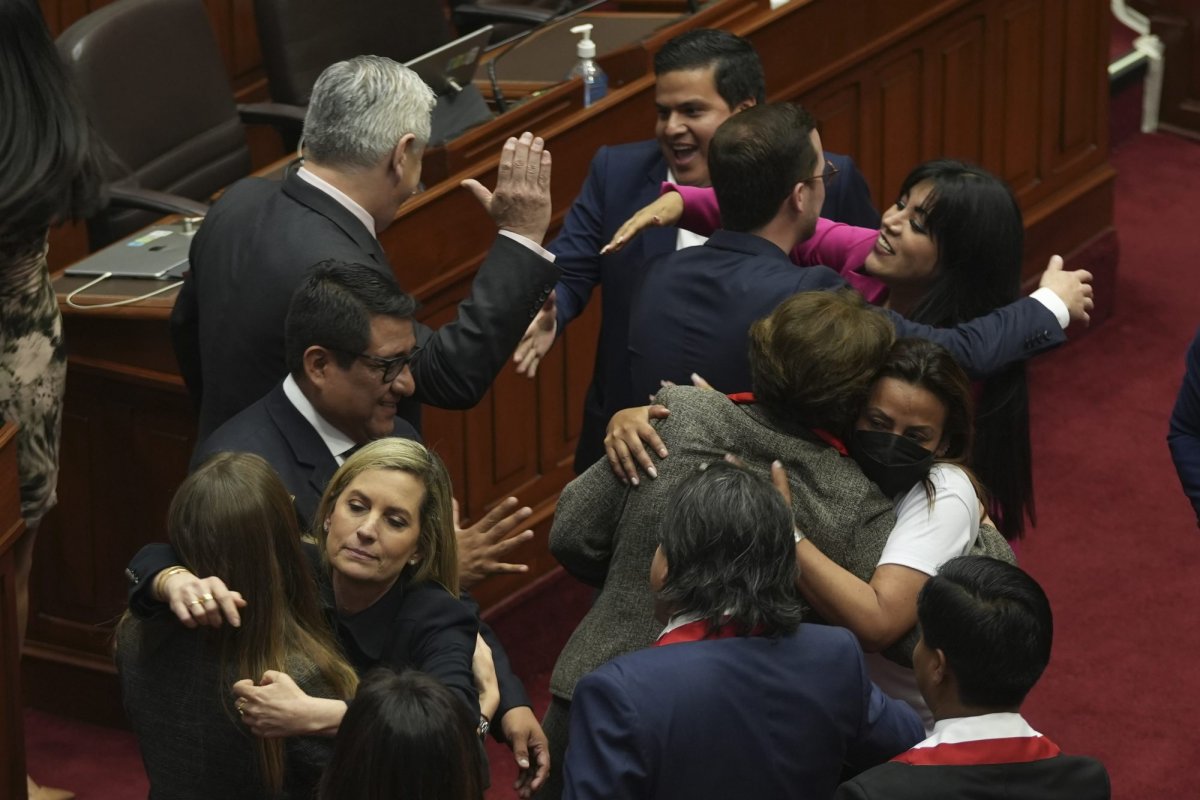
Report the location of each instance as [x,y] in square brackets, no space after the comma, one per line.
[1008,83]
[12,720]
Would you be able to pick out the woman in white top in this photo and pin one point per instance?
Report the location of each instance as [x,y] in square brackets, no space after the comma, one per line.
[912,438]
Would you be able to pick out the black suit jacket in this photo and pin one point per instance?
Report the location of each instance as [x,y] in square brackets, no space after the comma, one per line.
[248,257]
[275,430]
[1060,778]
[621,180]
[695,306]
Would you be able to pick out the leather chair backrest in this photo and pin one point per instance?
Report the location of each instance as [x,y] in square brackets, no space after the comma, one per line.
[300,38]
[152,79]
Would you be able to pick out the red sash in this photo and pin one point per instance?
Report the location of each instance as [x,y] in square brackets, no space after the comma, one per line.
[1015,750]
[700,631]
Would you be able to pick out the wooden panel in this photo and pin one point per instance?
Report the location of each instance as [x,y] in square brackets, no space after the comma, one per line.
[898,106]
[955,86]
[12,721]
[1016,65]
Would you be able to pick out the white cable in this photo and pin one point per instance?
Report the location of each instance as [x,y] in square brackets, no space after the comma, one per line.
[127,301]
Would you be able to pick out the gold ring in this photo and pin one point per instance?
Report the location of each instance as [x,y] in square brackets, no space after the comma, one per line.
[204,598]
[196,602]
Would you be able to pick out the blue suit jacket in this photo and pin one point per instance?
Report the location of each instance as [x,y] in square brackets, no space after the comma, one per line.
[731,718]
[695,307]
[621,180]
[1184,434]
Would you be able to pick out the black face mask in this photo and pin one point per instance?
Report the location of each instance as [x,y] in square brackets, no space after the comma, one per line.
[894,463]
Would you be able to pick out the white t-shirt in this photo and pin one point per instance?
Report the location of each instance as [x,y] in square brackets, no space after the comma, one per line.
[925,537]
[928,535]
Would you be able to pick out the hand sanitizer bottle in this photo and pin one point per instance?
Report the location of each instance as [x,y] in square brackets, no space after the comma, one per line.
[595,82]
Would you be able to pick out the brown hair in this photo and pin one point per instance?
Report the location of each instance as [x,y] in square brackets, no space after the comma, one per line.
[232,517]
[813,359]
[436,543]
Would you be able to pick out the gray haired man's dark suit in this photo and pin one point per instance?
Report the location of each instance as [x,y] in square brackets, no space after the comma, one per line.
[247,259]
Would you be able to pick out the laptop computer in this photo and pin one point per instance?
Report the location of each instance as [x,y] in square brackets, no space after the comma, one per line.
[448,70]
[160,251]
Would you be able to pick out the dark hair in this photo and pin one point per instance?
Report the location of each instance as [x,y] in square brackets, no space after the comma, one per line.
[333,307]
[813,359]
[727,536]
[993,623]
[233,517]
[976,224]
[756,158]
[737,73]
[404,736]
[925,364]
[47,166]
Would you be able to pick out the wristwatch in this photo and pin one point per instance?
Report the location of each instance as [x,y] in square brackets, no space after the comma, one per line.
[484,725]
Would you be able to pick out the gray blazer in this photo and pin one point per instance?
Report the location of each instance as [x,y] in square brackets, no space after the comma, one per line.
[605,534]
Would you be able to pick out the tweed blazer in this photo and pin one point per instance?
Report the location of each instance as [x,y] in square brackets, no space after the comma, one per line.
[605,533]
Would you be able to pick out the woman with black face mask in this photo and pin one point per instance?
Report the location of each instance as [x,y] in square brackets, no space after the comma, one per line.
[913,439]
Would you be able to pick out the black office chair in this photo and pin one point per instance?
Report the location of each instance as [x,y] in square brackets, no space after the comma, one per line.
[509,17]
[300,38]
[152,80]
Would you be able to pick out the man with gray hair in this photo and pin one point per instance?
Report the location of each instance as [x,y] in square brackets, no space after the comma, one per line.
[364,135]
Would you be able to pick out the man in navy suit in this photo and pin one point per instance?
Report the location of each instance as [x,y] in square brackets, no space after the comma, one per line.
[703,77]
[986,631]
[1184,433]
[695,306]
[737,698]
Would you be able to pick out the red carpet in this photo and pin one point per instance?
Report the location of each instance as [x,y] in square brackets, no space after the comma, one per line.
[1117,547]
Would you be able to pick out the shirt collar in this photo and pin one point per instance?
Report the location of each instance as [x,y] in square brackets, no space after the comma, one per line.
[341,197]
[337,442]
[678,621]
[1005,725]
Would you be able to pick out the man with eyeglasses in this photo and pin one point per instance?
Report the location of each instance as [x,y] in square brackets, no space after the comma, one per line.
[348,341]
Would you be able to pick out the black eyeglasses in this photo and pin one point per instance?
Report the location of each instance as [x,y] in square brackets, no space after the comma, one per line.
[389,368]
[828,175]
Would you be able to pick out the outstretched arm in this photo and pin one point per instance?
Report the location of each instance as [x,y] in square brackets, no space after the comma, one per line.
[458,363]
[1019,330]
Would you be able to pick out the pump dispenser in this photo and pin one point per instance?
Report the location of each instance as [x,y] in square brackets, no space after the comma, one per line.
[595,82]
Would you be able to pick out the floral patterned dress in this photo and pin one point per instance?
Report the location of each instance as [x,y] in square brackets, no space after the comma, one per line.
[33,370]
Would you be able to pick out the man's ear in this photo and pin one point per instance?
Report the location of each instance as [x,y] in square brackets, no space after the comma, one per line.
[798,199]
[317,361]
[406,145]
[941,669]
[749,102]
